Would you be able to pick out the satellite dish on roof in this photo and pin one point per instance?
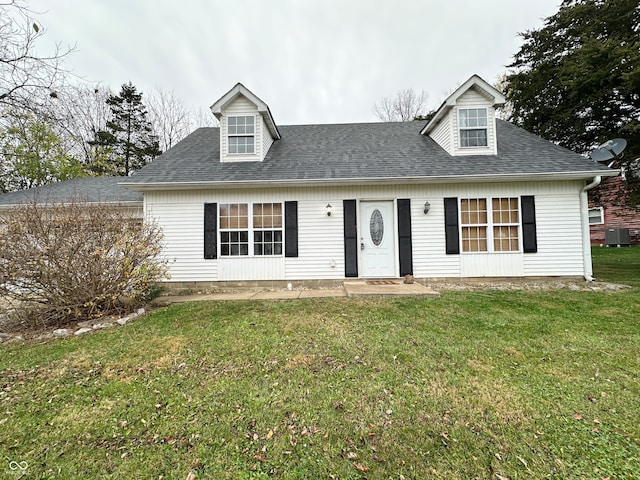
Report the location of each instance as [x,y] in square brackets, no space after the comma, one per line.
[609,150]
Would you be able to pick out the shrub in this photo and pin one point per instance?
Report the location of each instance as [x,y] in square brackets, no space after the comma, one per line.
[76,260]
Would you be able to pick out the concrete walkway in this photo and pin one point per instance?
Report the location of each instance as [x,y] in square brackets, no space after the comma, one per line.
[250,295]
[351,289]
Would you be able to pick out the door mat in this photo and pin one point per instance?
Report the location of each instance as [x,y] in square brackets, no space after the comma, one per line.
[382,282]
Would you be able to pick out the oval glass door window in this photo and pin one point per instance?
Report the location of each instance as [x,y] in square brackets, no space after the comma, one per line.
[376,227]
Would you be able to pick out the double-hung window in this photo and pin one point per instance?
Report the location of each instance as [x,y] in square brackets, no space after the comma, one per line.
[490,226]
[267,229]
[234,229]
[506,224]
[258,234]
[473,213]
[596,216]
[473,127]
[241,134]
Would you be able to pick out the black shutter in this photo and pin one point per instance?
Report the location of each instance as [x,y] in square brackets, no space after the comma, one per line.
[210,230]
[404,236]
[451,231]
[290,229]
[350,239]
[529,235]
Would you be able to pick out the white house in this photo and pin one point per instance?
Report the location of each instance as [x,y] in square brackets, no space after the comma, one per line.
[464,195]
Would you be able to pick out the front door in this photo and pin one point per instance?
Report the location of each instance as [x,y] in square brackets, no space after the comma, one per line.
[377,247]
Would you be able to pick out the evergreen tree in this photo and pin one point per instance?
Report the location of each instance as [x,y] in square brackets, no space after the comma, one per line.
[128,139]
[576,80]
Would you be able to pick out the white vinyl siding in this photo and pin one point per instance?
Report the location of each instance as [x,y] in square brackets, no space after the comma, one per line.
[321,238]
[559,249]
[427,236]
[267,139]
[182,224]
[442,134]
[324,261]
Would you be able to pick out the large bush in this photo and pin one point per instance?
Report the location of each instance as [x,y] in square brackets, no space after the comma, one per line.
[76,260]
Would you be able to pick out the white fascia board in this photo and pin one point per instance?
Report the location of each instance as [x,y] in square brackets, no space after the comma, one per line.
[440,114]
[531,177]
[231,95]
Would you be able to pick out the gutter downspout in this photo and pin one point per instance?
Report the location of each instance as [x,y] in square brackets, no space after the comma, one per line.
[586,233]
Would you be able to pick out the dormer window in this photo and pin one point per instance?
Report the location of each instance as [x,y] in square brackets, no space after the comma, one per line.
[473,127]
[241,133]
[247,129]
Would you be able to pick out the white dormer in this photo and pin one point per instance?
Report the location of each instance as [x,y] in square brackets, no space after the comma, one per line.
[465,123]
[247,128]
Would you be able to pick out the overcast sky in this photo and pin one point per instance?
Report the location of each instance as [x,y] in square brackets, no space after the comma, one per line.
[325,61]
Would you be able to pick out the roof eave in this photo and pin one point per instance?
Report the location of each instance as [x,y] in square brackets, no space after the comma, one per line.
[483,178]
[123,204]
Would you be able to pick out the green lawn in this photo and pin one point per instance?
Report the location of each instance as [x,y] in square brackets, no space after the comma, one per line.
[491,384]
[618,265]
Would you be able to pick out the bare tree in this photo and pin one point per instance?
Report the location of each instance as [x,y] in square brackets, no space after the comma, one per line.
[82,111]
[204,118]
[404,106]
[27,78]
[504,112]
[169,118]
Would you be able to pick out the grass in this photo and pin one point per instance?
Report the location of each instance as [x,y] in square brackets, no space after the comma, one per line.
[618,265]
[493,384]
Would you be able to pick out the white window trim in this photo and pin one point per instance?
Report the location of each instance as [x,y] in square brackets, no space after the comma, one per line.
[230,135]
[461,128]
[489,226]
[601,212]
[250,231]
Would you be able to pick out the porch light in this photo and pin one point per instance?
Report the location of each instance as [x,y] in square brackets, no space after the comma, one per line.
[328,210]
[427,207]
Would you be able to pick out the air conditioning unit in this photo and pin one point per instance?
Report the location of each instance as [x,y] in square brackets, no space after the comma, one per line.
[617,237]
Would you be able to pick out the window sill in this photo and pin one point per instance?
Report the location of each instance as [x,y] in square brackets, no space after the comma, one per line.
[491,253]
[237,257]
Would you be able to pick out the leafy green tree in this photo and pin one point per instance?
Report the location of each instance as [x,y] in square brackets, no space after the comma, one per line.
[31,154]
[576,80]
[128,137]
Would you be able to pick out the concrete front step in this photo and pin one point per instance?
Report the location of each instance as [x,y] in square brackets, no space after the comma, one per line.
[363,288]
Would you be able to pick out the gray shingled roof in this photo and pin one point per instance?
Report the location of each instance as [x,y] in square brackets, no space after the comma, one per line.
[91,189]
[375,151]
